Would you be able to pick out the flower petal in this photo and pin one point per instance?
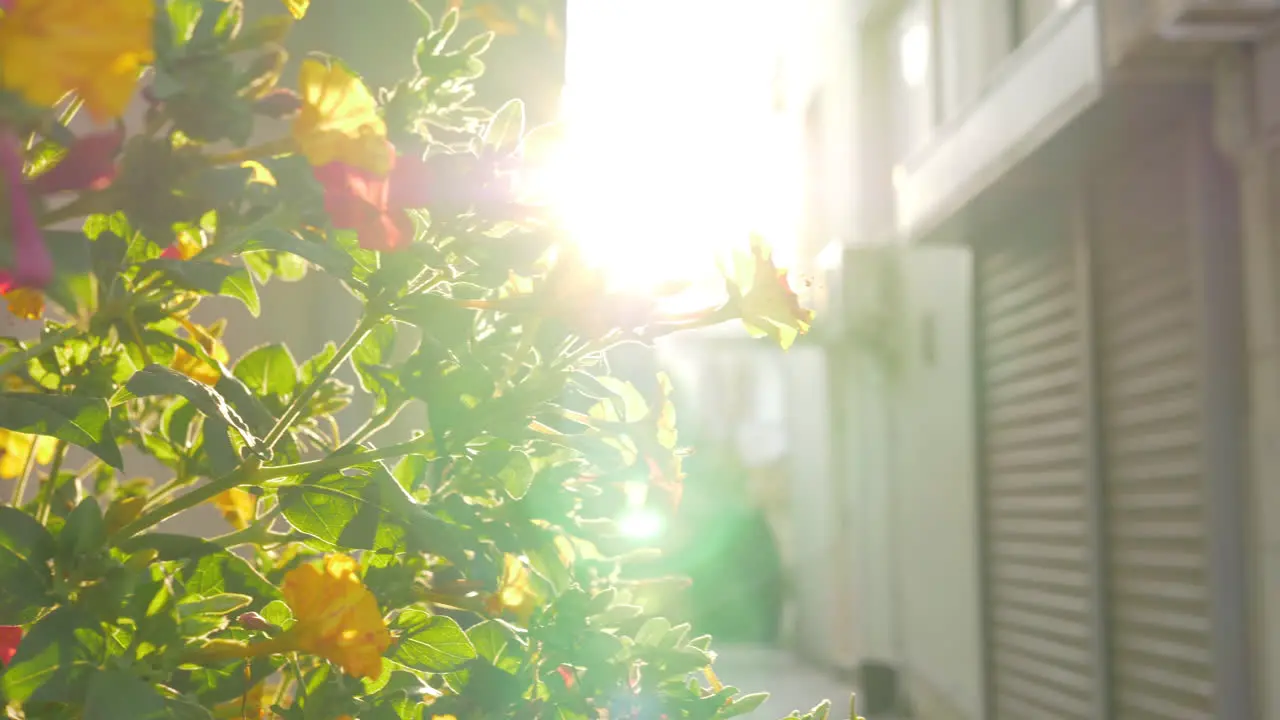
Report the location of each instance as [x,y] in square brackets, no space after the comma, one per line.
[32,264]
[10,638]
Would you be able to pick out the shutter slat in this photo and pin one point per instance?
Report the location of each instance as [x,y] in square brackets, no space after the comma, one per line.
[1157,525]
[1037,562]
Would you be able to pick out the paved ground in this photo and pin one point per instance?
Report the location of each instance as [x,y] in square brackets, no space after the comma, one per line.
[791,684]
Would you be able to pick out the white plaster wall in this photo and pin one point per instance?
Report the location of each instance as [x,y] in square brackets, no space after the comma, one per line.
[934,502]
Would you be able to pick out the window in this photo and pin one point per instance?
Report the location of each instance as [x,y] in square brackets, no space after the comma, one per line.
[914,79]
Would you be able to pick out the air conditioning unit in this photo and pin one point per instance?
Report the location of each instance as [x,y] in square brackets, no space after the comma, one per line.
[866,302]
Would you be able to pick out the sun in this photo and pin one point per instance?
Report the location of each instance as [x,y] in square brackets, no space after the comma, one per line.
[658,176]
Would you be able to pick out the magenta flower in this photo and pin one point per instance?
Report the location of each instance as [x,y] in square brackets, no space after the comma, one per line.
[90,164]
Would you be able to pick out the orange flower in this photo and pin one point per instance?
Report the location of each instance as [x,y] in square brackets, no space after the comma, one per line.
[25,303]
[49,48]
[197,368]
[768,305]
[337,617]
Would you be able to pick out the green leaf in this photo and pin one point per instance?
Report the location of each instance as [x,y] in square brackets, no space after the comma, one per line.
[183,15]
[439,317]
[325,256]
[433,643]
[279,614]
[85,533]
[78,420]
[208,277]
[74,287]
[516,474]
[345,511]
[115,694]
[159,380]
[505,130]
[215,685]
[742,705]
[652,631]
[268,370]
[368,358]
[218,451]
[55,659]
[224,572]
[25,551]
[499,643]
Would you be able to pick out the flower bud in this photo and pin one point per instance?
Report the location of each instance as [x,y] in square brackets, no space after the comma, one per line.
[254,621]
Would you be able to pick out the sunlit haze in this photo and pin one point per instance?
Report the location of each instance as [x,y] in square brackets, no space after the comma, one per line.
[673,152]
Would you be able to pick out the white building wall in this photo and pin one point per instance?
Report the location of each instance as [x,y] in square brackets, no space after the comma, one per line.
[935,528]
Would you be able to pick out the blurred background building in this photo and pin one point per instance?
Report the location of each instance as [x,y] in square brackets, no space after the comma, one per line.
[1027,462]
[1048,329]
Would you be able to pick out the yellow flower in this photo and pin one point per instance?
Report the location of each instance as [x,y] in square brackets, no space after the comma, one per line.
[237,507]
[766,302]
[337,617]
[297,8]
[25,303]
[49,48]
[198,368]
[515,591]
[339,120]
[15,447]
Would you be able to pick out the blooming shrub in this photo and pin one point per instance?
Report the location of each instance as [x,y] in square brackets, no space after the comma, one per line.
[455,574]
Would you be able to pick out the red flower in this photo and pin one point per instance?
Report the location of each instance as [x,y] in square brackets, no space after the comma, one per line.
[357,199]
[10,638]
[374,205]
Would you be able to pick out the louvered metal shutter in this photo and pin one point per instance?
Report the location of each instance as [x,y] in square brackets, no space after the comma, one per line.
[1152,441]
[1038,589]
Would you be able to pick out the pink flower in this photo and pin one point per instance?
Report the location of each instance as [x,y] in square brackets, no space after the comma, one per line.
[10,637]
[88,164]
[32,265]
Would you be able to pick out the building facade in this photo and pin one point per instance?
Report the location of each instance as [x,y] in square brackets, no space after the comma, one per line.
[1048,233]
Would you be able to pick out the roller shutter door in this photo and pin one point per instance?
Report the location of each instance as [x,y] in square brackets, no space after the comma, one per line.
[1035,455]
[1151,414]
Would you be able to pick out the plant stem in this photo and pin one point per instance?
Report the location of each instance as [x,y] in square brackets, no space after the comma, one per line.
[369,428]
[20,489]
[239,476]
[337,462]
[279,146]
[300,400]
[46,497]
[13,362]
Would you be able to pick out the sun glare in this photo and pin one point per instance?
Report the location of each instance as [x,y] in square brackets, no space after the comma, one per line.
[672,154]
